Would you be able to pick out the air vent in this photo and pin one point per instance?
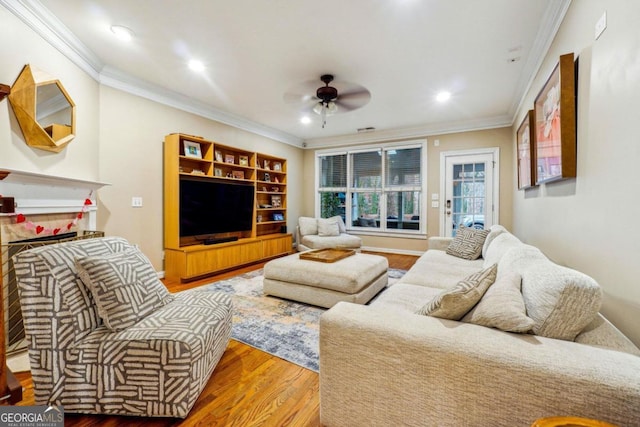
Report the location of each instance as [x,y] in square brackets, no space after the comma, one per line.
[367,129]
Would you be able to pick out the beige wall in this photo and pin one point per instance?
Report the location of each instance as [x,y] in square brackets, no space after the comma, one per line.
[590,223]
[132,131]
[501,138]
[80,158]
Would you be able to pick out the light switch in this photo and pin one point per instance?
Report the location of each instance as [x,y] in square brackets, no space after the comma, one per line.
[435,196]
[435,204]
[136,202]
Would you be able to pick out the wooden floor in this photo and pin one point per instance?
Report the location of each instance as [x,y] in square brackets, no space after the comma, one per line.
[248,387]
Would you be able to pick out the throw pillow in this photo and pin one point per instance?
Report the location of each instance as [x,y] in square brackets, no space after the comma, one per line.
[468,243]
[502,306]
[341,224]
[328,227]
[307,226]
[455,302]
[124,285]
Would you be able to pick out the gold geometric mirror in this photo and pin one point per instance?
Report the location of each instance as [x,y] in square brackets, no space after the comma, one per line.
[45,111]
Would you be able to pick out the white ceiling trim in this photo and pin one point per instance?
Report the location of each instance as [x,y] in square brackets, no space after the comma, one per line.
[546,34]
[52,30]
[122,81]
[409,133]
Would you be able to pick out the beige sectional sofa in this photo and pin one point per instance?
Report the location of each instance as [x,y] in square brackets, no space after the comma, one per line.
[383,364]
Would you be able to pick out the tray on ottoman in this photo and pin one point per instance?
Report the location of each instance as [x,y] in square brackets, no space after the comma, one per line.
[327,255]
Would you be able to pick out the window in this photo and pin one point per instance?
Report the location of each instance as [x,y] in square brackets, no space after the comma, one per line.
[374,189]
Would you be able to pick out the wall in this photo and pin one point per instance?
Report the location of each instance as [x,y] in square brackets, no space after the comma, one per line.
[501,138]
[80,158]
[132,132]
[589,223]
[119,141]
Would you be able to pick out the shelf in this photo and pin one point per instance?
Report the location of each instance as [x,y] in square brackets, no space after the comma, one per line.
[270,222]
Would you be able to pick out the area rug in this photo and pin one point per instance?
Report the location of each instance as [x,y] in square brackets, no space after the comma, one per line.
[286,329]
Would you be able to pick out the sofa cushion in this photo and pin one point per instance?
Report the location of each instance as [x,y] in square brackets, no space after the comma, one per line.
[307,225]
[404,297]
[561,301]
[502,306]
[342,241]
[341,225]
[454,303]
[328,227]
[468,243]
[124,285]
[499,245]
[494,231]
[436,269]
[601,333]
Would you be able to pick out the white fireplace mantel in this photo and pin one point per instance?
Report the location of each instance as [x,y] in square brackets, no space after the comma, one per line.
[36,193]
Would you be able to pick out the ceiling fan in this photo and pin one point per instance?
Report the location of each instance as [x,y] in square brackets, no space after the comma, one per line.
[341,97]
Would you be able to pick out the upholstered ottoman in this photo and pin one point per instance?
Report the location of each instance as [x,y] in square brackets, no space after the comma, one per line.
[356,279]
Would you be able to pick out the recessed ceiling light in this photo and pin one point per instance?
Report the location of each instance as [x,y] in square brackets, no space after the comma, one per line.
[196,65]
[443,96]
[305,120]
[123,33]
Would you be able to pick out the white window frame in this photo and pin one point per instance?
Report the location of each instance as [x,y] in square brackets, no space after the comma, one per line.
[421,233]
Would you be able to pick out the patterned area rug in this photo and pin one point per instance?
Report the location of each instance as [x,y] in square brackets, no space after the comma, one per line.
[287,329]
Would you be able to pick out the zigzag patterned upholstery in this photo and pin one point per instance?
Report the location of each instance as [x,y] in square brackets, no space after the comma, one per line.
[157,367]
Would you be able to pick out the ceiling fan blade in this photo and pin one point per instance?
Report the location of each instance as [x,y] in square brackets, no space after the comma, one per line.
[353,99]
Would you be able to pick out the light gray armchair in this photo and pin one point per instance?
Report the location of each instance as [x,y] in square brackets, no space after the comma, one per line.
[322,233]
[152,360]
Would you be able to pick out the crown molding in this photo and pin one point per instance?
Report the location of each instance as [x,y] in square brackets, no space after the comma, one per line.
[52,30]
[117,79]
[409,133]
[553,17]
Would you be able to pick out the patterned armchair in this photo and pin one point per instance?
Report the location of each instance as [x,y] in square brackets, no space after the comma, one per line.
[156,366]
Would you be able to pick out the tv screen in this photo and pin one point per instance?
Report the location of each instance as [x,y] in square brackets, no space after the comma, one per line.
[209,207]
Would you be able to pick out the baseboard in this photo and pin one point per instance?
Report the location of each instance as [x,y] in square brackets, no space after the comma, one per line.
[392,251]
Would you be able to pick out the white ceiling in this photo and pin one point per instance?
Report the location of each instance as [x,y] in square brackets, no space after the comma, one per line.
[403,51]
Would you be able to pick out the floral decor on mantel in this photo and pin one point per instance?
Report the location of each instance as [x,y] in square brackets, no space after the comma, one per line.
[43,230]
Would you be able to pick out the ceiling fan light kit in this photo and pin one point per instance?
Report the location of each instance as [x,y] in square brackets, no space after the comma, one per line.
[328,100]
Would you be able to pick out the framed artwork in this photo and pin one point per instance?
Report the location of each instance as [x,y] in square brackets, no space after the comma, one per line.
[192,149]
[525,146]
[218,156]
[278,217]
[276,201]
[243,160]
[217,172]
[277,166]
[555,124]
[229,158]
[238,174]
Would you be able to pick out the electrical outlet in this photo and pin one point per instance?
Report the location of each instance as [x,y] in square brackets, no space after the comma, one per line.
[601,25]
[136,202]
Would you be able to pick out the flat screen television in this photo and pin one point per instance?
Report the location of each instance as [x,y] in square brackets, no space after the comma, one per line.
[211,207]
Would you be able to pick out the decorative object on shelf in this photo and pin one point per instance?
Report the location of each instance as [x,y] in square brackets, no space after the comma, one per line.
[278,217]
[275,179]
[266,164]
[264,188]
[259,218]
[229,158]
[555,123]
[243,160]
[275,189]
[44,110]
[277,166]
[217,172]
[267,177]
[525,142]
[197,172]
[238,174]
[276,201]
[218,156]
[192,149]
[265,206]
